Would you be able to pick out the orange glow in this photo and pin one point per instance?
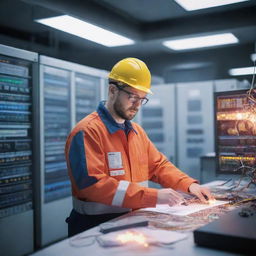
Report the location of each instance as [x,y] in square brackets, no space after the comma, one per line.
[246,115]
[248,158]
[129,236]
[211,201]
[252,118]
[239,116]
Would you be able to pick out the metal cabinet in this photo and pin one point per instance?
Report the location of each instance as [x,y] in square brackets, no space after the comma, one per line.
[18,151]
[158,119]
[68,92]
[195,129]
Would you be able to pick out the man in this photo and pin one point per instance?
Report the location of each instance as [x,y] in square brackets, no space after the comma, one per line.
[110,159]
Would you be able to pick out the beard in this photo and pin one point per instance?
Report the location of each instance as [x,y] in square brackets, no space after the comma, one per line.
[121,111]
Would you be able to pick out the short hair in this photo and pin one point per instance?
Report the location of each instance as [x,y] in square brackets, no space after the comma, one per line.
[117,83]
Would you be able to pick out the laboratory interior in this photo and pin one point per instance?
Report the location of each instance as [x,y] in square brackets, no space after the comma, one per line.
[181,177]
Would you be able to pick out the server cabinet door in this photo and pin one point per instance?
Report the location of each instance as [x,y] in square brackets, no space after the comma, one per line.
[17,155]
[195,127]
[87,90]
[158,119]
[56,128]
[55,200]
[70,92]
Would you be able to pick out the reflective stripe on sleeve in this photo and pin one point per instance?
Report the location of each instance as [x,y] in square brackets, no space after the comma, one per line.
[93,208]
[143,183]
[120,193]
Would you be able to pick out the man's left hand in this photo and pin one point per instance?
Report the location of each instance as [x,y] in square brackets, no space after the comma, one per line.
[202,193]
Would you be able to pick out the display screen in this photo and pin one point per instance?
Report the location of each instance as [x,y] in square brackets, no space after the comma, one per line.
[235,131]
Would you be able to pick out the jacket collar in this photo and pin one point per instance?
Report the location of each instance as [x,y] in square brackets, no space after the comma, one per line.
[109,121]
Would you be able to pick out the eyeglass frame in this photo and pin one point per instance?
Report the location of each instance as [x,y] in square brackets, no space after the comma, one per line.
[131,95]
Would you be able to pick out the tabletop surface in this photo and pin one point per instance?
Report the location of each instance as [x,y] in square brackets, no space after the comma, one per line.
[86,242]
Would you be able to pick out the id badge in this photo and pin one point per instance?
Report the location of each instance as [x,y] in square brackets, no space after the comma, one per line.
[115,163]
[115,160]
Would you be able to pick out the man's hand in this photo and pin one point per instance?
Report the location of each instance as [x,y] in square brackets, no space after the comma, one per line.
[169,196]
[202,193]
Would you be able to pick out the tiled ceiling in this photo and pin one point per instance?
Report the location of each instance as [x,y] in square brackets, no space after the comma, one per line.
[148,22]
[152,10]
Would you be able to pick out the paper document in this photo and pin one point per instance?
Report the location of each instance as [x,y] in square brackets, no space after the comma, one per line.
[183,210]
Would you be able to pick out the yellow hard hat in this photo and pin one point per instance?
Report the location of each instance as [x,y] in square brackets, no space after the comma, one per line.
[132,72]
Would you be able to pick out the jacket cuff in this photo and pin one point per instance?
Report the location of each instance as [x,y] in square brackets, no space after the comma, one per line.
[149,198]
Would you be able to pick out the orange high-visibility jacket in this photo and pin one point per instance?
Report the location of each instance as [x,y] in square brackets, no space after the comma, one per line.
[109,170]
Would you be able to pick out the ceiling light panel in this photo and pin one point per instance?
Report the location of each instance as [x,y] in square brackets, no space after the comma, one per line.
[253,57]
[242,71]
[192,5]
[201,41]
[86,30]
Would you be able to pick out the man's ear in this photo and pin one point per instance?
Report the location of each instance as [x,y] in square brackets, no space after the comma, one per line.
[111,90]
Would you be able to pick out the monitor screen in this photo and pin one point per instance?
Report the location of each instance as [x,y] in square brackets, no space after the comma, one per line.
[235,119]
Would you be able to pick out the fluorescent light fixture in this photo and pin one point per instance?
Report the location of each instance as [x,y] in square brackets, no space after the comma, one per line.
[253,57]
[201,41]
[191,5]
[86,30]
[190,65]
[242,71]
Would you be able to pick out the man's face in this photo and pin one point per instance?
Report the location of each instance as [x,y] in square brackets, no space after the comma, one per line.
[128,103]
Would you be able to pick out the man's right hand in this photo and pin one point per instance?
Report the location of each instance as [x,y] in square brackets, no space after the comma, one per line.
[169,196]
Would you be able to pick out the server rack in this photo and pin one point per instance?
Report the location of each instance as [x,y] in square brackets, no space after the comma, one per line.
[68,92]
[195,130]
[18,152]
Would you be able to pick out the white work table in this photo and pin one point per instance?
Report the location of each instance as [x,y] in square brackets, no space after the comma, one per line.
[181,248]
[78,246]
